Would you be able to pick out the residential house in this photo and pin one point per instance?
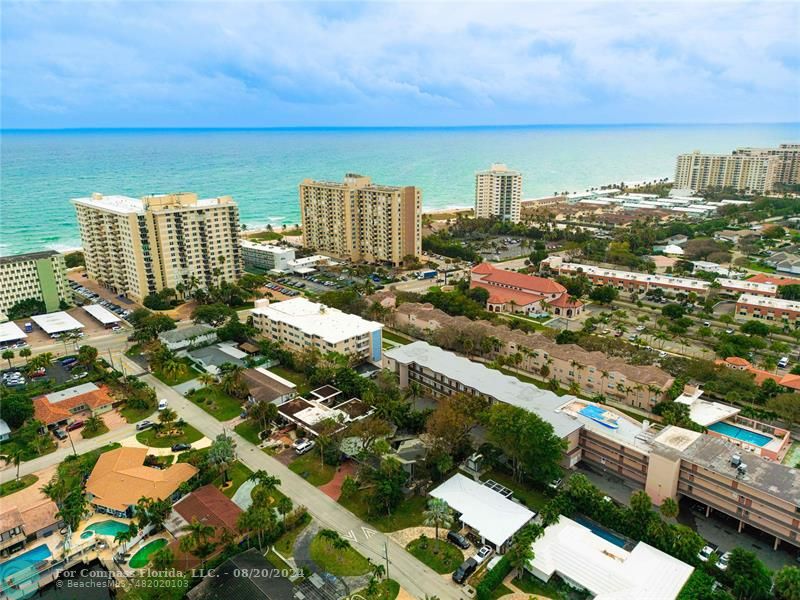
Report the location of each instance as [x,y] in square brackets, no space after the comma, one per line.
[264,386]
[72,404]
[188,337]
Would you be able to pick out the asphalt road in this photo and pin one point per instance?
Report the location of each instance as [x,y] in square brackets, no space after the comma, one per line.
[411,574]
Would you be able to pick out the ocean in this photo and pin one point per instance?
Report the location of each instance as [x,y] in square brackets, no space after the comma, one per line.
[41,171]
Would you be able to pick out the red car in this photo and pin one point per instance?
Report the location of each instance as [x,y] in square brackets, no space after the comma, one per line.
[75,425]
[39,372]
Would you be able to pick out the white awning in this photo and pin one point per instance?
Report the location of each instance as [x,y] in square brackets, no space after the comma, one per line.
[57,322]
[102,314]
[10,332]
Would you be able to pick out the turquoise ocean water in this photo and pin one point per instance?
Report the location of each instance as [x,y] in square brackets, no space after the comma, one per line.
[41,171]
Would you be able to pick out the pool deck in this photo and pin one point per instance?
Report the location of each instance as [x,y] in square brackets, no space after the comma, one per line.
[775,449]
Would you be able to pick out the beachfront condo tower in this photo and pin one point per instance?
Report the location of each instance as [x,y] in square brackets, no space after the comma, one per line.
[756,170]
[361,221]
[39,276]
[498,193]
[139,246]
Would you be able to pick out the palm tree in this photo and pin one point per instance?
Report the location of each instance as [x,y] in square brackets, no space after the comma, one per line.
[8,355]
[87,355]
[25,353]
[378,571]
[207,379]
[232,382]
[197,538]
[284,506]
[173,367]
[166,417]
[669,508]
[92,424]
[14,458]
[126,535]
[438,514]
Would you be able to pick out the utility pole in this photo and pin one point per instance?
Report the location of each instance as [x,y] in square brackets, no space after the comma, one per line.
[386,556]
[69,435]
[111,359]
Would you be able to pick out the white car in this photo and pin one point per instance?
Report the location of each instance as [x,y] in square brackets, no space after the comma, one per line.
[722,563]
[303,445]
[482,554]
[706,552]
[162,404]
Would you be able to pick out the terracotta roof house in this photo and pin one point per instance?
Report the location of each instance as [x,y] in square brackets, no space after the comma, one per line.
[207,505]
[69,405]
[26,517]
[778,280]
[740,364]
[120,478]
[566,306]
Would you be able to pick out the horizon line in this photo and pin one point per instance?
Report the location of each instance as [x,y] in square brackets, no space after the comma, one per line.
[374,127]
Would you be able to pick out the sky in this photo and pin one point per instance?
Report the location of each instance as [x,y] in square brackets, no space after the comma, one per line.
[299,64]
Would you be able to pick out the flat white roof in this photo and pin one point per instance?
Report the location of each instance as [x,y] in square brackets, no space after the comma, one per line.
[113,203]
[503,388]
[681,282]
[102,314]
[10,331]
[330,324]
[57,322]
[310,261]
[268,248]
[77,390]
[736,284]
[488,512]
[704,412]
[778,303]
[607,571]
[275,377]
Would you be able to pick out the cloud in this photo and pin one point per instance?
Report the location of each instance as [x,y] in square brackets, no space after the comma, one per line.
[381,63]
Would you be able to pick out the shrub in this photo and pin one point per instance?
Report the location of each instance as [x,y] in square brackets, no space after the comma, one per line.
[492,579]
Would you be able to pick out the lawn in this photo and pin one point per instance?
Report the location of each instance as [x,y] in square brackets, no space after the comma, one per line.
[309,468]
[149,437]
[238,474]
[249,431]
[396,337]
[99,431]
[29,452]
[387,590]
[500,591]
[296,378]
[15,485]
[189,374]
[134,415]
[217,403]
[408,514]
[285,543]
[524,492]
[341,562]
[756,266]
[437,554]
[264,236]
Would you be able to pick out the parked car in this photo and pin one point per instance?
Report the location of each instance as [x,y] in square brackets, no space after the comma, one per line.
[80,375]
[303,445]
[466,569]
[41,372]
[482,554]
[181,447]
[162,404]
[707,551]
[60,434]
[142,425]
[459,540]
[555,484]
[722,563]
[74,425]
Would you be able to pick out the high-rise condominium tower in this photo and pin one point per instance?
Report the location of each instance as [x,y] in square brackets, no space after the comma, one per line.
[361,221]
[138,247]
[498,193]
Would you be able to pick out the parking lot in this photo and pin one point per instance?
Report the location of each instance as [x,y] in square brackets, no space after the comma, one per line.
[101,292]
[56,373]
[87,295]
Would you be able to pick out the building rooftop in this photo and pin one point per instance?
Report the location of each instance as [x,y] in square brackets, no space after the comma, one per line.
[682,282]
[778,280]
[703,412]
[531,283]
[764,475]
[618,427]
[102,314]
[175,336]
[120,478]
[265,386]
[245,576]
[495,384]
[10,332]
[747,285]
[266,247]
[766,302]
[57,322]
[113,203]
[488,512]
[607,571]
[330,324]
[58,406]
[7,260]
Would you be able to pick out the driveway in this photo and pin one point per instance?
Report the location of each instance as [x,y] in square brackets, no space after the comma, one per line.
[419,579]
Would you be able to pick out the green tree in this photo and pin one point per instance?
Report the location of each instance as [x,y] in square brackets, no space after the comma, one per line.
[93,424]
[669,508]
[438,514]
[162,559]
[387,481]
[787,406]
[14,457]
[787,583]
[197,540]
[604,294]
[8,355]
[25,353]
[520,554]
[222,453]
[750,579]
[87,355]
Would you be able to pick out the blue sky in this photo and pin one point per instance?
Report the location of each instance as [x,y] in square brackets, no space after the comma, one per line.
[267,64]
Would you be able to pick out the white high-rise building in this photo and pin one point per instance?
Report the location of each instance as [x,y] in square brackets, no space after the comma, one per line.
[498,193]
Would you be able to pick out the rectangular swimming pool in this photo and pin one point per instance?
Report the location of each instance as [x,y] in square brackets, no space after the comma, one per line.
[738,433]
[600,531]
[600,415]
[23,564]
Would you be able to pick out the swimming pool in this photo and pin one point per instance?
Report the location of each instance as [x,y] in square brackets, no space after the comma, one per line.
[737,433]
[87,534]
[142,557]
[24,562]
[599,531]
[110,528]
[600,415]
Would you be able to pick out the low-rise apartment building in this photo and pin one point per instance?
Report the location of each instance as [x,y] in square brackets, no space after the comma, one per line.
[37,275]
[361,221]
[782,312]
[138,247]
[595,373]
[299,324]
[672,462]
[266,257]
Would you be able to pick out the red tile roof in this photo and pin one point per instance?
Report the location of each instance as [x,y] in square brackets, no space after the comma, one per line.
[566,301]
[537,285]
[210,506]
[498,295]
[775,279]
[791,382]
[49,413]
[483,268]
[737,361]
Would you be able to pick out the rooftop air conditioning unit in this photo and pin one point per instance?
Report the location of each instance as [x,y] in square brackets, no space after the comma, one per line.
[736,460]
[742,469]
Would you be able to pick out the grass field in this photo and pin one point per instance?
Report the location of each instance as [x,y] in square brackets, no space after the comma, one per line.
[408,514]
[249,431]
[388,589]
[530,585]
[149,437]
[264,236]
[134,415]
[100,431]
[437,554]
[15,485]
[303,387]
[337,561]
[396,337]
[524,492]
[309,468]
[189,373]
[217,403]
